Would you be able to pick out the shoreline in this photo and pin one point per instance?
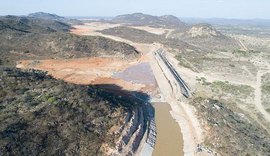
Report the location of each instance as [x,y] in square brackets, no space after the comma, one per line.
[169,138]
[169,92]
[190,130]
[182,113]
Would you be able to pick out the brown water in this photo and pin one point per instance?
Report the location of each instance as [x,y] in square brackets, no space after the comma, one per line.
[169,137]
[140,73]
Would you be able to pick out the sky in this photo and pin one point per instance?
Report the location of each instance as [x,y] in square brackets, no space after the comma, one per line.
[239,9]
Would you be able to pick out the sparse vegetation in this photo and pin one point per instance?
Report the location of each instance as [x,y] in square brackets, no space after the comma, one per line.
[205,37]
[183,62]
[25,38]
[141,36]
[245,53]
[135,35]
[140,19]
[229,131]
[266,91]
[40,115]
[239,51]
[235,89]
[219,90]
[43,116]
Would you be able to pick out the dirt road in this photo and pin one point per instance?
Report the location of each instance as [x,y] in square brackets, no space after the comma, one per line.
[182,113]
[258,96]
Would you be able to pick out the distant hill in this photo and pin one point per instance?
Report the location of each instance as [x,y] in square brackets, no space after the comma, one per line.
[33,38]
[206,37]
[135,35]
[142,36]
[44,15]
[30,24]
[48,16]
[140,19]
[230,22]
[202,36]
[204,31]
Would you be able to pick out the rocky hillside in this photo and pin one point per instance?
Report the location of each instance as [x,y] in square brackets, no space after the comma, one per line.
[203,31]
[31,38]
[43,15]
[135,35]
[31,25]
[44,116]
[48,16]
[202,36]
[139,19]
[142,36]
[205,36]
[230,131]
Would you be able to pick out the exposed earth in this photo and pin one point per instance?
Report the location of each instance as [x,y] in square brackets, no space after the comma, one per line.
[209,86]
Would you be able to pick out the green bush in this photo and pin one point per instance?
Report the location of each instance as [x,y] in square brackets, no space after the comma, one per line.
[52,99]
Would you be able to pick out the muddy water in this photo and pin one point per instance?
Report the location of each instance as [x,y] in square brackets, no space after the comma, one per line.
[140,73]
[169,138]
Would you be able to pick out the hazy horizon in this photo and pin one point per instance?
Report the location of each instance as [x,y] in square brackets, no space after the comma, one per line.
[229,9]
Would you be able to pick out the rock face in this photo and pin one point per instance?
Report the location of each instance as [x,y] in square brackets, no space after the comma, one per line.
[152,134]
[139,19]
[206,37]
[203,30]
[137,124]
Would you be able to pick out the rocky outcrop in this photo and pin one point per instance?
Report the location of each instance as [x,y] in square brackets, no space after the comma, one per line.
[152,134]
[206,37]
[139,123]
[203,30]
[130,134]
